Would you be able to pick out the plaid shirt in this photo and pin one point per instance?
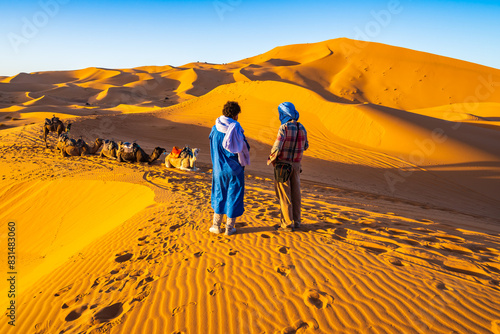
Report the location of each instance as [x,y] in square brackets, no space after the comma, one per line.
[283,146]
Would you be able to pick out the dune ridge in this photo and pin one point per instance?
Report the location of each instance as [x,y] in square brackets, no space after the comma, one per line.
[400,197]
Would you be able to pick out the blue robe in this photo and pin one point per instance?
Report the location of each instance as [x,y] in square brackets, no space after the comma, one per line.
[228,178]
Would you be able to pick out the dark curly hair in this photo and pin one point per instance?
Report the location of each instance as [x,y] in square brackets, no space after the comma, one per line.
[231,109]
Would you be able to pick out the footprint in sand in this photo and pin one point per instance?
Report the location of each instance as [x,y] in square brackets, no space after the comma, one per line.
[98,281]
[176,226]
[146,280]
[283,249]
[233,252]
[43,327]
[112,286]
[73,301]
[217,288]
[151,255]
[63,290]
[182,308]
[143,240]
[122,276]
[76,313]
[123,257]
[218,265]
[442,286]
[283,270]
[115,271]
[219,238]
[394,261]
[198,254]
[301,326]
[146,291]
[111,312]
[318,299]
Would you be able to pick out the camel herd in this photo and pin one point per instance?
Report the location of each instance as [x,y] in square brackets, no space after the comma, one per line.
[122,152]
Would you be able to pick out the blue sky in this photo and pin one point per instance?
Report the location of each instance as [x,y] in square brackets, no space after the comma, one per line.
[69,34]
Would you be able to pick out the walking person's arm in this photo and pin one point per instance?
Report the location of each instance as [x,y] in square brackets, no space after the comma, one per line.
[306,145]
[278,144]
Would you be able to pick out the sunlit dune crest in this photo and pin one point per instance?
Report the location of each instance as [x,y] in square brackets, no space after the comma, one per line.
[401,228]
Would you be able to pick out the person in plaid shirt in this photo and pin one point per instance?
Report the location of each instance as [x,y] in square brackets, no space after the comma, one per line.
[289,147]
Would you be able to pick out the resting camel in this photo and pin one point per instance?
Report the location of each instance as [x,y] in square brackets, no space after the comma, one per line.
[97,144]
[61,140]
[185,160]
[135,153]
[71,147]
[54,125]
[109,149]
[65,140]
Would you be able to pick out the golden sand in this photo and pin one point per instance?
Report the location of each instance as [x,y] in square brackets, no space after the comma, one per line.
[401,212]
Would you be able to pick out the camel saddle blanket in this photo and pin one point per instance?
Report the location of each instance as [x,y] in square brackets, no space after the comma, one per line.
[128,147]
[70,142]
[109,145]
[186,153]
[77,143]
[176,152]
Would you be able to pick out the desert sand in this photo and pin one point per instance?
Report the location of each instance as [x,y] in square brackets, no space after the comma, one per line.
[400,186]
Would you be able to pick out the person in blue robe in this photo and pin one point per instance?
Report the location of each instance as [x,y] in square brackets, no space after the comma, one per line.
[229,151]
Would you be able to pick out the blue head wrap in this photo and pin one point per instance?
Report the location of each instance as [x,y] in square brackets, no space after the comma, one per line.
[287,112]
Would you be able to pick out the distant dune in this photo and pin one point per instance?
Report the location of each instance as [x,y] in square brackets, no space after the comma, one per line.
[400,197]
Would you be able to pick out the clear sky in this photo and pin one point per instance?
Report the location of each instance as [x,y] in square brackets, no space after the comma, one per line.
[41,35]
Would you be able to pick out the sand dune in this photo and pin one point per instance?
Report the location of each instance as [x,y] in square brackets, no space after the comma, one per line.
[82,217]
[400,198]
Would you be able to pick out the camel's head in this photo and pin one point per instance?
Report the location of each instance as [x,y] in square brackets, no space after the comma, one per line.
[99,141]
[68,127]
[159,151]
[192,160]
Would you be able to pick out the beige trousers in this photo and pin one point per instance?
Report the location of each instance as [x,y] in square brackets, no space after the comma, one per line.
[290,199]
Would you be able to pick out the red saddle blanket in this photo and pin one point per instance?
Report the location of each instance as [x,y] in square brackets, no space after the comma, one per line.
[176,152]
